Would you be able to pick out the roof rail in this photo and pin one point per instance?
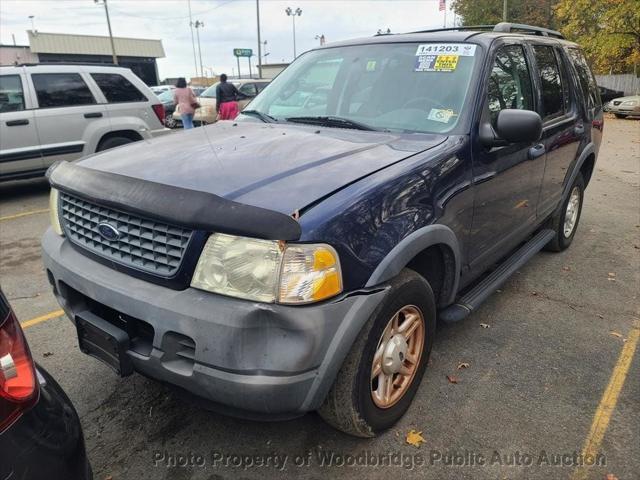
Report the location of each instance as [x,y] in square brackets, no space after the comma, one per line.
[62,63]
[506,27]
[455,29]
[503,27]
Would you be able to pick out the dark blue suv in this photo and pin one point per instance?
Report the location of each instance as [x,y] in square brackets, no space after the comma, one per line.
[297,258]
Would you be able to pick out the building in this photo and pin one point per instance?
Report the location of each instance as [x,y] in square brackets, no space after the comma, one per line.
[271,70]
[138,54]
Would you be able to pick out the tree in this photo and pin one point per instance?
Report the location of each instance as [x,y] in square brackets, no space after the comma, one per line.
[608,30]
[489,12]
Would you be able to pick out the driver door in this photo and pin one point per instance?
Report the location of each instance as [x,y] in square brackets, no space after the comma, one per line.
[506,179]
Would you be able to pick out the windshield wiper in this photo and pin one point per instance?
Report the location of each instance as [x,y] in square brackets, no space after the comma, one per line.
[265,117]
[332,121]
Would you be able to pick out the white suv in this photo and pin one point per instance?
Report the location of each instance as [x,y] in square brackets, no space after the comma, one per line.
[65,112]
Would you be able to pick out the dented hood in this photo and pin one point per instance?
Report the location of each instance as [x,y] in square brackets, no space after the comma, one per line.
[278,167]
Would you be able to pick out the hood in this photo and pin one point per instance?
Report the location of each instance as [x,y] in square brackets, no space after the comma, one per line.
[625,99]
[279,167]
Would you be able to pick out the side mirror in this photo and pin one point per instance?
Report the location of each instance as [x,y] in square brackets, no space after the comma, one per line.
[512,126]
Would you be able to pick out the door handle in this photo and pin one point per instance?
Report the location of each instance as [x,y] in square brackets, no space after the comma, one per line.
[579,129]
[15,123]
[93,115]
[537,151]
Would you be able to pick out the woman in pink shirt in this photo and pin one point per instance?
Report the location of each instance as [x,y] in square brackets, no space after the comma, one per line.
[184,98]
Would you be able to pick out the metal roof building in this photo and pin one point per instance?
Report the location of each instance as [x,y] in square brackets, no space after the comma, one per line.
[138,54]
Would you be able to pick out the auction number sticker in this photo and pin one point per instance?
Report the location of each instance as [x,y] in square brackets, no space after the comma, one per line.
[462,49]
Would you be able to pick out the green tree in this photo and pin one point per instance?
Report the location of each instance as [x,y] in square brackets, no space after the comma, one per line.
[489,12]
[608,30]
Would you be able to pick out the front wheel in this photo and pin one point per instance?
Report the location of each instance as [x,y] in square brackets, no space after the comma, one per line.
[565,222]
[381,374]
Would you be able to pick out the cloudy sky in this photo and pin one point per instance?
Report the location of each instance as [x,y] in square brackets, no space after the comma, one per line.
[227,24]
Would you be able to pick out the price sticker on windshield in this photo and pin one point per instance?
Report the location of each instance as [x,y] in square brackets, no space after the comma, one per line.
[446,63]
[461,49]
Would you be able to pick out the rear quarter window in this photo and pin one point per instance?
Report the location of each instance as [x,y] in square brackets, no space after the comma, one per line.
[11,96]
[117,89]
[61,90]
[587,81]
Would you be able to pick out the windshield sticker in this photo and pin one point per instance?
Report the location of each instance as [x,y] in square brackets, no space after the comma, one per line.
[462,49]
[436,63]
[440,115]
[371,66]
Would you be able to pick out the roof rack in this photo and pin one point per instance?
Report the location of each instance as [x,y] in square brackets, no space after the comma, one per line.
[503,27]
[507,27]
[61,63]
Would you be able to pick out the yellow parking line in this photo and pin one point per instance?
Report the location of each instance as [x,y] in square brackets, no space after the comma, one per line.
[608,402]
[42,318]
[23,214]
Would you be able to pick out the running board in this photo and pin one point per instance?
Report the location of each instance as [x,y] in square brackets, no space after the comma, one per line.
[478,294]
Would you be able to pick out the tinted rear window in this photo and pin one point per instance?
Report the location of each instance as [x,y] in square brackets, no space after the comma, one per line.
[117,89]
[587,80]
[61,90]
[553,102]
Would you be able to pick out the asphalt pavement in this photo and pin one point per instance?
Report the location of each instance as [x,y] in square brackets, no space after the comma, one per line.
[551,369]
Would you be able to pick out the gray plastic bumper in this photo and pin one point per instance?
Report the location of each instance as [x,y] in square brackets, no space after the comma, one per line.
[263,359]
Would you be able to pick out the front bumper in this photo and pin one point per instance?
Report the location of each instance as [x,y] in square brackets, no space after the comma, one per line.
[253,359]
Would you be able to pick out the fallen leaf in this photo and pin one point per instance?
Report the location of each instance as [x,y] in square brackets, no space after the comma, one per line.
[610,476]
[616,334]
[534,293]
[611,275]
[452,379]
[47,354]
[600,316]
[485,325]
[108,477]
[415,438]
[463,365]
[566,268]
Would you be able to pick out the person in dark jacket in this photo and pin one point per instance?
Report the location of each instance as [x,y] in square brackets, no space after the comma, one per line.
[226,99]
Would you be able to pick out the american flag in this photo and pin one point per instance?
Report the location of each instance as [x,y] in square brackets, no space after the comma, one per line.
[443,5]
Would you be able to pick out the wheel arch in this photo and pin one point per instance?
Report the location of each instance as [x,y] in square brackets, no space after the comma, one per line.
[428,245]
[130,134]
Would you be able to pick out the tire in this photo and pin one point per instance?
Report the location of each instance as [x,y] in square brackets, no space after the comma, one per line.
[620,115]
[112,142]
[169,121]
[562,241]
[350,405]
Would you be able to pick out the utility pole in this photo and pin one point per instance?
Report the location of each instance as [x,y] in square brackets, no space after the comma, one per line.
[113,47]
[198,25]
[504,11]
[294,13]
[259,42]
[193,42]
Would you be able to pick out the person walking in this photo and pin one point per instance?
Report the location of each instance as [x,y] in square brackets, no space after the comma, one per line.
[226,99]
[186,101]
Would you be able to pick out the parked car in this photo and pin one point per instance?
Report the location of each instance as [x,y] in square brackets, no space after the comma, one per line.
[197,91]
[40,433]
[248,89]
[297,259]
[607,94]
[64,112]
[158,89]
[624,107]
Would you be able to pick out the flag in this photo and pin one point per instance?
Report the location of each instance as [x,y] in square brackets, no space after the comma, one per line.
[443,5]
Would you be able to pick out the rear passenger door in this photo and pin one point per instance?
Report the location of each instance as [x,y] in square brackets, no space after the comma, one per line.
[127,106]
[506,178]
[562,128]
[19,145]
[65,117]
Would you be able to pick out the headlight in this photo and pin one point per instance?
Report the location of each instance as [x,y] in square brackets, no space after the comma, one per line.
[54,195]
[268,271]
[630,103]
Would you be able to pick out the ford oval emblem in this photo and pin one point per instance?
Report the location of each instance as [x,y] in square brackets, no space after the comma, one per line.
[108,232]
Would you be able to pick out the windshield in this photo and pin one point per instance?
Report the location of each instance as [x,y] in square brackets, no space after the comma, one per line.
[404,86]
[166,96]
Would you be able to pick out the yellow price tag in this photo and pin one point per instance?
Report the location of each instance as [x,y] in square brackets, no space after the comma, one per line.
[446,63]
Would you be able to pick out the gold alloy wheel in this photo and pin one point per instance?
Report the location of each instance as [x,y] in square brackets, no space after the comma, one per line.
[397,356]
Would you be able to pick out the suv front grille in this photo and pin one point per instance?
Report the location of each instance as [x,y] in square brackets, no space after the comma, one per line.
[143,244]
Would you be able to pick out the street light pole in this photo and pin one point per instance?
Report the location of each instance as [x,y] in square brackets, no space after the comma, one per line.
[198,25]
[259,42]
[294,13]
[504,11]
[113,47]
[193,42]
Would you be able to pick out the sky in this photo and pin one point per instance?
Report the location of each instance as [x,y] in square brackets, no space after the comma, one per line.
[228,24]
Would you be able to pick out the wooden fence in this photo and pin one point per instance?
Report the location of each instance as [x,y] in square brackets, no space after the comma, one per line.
[627,83]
